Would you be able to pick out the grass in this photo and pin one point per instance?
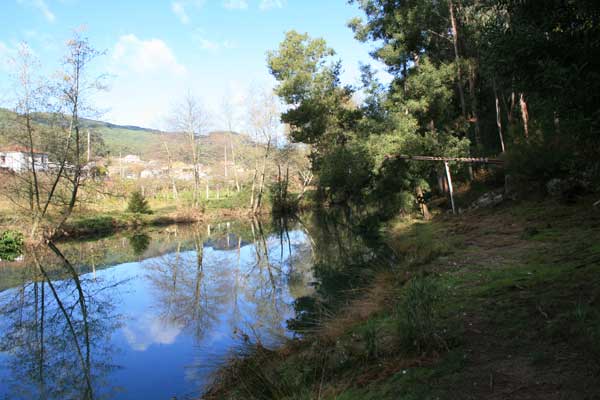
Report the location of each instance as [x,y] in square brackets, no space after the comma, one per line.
[109,215]
[494,304]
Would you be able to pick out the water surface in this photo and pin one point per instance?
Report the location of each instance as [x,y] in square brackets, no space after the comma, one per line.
[153,314]
[148,315]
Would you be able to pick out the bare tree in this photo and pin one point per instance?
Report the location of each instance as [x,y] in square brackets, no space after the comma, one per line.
[229,119]
[74,89]
[264,119]
[191,118]
[165,143]
[50,193]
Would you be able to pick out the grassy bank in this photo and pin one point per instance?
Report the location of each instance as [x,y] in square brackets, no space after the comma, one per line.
[501,303]
[110,216]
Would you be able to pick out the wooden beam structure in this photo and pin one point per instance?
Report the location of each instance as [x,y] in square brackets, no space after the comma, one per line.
[471,160]
[450,189]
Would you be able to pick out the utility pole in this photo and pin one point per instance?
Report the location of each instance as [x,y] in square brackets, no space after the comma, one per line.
[89,146]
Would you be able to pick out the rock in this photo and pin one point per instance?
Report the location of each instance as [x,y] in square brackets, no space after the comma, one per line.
[489,199]
[567,189]
[555,187]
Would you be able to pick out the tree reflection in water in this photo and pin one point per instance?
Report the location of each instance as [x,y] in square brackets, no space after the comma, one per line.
[227,278]
[57,328]
[194,296]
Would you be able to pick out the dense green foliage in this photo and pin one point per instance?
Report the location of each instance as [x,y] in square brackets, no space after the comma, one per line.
[11,245]
[138,204]
[470,78]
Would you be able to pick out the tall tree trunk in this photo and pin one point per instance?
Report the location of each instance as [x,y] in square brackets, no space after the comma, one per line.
[170,173]
[474,104]
[234,166]
[261,185]
[253,186]
[524,114]
[498,116]
[455,38]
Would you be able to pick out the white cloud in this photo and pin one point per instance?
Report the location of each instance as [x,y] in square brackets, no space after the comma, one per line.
[235,4]
[148,330]
[42,7]
[146,77]
[211,44]
[142,56]
[206,44]
[179,9]
[269,4]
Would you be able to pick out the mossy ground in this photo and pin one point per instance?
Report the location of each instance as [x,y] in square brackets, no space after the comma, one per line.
[517,317]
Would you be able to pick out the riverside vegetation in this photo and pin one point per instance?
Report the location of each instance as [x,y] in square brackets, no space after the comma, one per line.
[499,303]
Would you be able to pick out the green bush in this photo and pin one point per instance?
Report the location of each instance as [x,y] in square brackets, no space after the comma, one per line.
[539,159]
[344,172]
[11,245]
[138,204]
[417,316]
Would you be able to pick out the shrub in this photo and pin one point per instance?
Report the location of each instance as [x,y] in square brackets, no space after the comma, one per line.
[417,316]
[11,245]
[138,204]
[370,336]
[539,159]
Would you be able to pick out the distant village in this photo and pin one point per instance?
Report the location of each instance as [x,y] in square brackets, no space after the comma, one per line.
[18,159]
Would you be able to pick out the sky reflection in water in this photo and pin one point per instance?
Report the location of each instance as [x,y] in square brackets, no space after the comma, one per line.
[154,328]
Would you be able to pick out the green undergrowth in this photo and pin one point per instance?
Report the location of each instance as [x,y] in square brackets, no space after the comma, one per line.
[106,224]
[479,305]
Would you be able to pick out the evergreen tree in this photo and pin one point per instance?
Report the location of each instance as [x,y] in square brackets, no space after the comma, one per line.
[138,204]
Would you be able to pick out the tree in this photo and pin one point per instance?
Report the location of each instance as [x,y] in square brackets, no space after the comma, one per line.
[264,120]
[229,117]
[191,118]
[138,204]
[321,112]
[49,195]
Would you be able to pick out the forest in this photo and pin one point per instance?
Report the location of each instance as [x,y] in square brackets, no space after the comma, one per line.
[509,79]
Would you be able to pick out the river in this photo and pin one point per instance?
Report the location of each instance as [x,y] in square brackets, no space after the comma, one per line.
[153,314]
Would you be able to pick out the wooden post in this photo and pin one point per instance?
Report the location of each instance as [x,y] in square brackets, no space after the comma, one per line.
[450,189]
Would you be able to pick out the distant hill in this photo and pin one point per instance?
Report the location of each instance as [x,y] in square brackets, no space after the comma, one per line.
[149,144]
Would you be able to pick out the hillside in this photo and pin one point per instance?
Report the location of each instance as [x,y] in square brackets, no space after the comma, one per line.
[147,143]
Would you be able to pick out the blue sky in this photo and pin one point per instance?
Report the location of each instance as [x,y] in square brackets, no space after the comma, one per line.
[157,50]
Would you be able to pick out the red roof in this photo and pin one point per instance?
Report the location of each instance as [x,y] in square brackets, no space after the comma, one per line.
[20,149]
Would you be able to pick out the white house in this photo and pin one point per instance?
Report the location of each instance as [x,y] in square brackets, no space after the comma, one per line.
[18,159]
[131,158]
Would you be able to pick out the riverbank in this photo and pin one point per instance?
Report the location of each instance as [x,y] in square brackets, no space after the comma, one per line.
[109,217]
[496,303]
